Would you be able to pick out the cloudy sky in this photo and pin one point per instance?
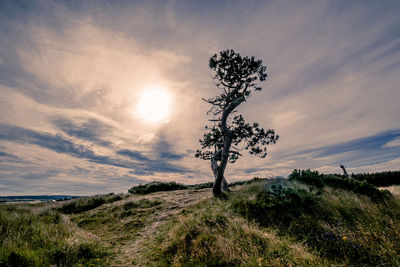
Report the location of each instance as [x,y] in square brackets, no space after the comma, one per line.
[73,76]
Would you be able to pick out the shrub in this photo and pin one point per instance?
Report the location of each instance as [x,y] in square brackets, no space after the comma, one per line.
[156,187]
[278,205]
[379,178]
[318,181]
[201,186]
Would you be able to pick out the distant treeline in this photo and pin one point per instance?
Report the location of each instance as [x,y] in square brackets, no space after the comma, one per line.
[379,178]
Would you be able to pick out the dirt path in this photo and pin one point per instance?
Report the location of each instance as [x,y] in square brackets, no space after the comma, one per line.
[172,203]
[124,230]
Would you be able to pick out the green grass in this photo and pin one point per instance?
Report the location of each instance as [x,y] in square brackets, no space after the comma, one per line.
[341,225]
[87,203]
[282,223]
[211,234]
[43,239]
[309,220]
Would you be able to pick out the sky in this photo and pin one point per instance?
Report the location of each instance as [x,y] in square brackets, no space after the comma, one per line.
[73,75]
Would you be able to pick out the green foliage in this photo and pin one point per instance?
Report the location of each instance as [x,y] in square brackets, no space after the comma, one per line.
[254,139]
[152,187]
[313,178]
[279,205]
[87,203]
[379,178]
[28,239]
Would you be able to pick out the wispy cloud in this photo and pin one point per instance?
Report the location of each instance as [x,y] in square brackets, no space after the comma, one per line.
[71,74]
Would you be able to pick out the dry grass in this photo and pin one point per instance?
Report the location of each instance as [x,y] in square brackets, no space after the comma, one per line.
[191,228]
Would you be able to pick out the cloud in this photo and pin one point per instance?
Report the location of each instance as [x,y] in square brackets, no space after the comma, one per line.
[56,143]
[71,75]
[373,143]
[392,143]
[91,130]
[162,156]
[7,155]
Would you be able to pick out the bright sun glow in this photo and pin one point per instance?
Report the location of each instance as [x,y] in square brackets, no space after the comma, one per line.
[154,105]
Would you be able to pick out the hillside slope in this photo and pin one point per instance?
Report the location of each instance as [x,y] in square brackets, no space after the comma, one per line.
[267,223]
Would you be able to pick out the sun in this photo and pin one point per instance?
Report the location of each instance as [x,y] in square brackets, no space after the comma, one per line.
[154,105]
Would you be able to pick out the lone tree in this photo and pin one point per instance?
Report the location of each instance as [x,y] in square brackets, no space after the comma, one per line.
[236,77]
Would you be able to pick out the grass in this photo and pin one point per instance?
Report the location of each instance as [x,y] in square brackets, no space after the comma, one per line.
[43,239]
[87,203]
[342,226]
[210,234]
[308,220]
[282,223]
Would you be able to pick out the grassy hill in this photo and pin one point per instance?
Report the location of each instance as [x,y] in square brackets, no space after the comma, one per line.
[307,220]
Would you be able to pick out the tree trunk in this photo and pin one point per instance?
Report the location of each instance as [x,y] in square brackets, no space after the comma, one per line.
[344,171]
[217,189]
[214,167]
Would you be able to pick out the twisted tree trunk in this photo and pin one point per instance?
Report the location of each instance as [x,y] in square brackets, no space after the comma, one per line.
[344,171]
[215,167]
[217,188]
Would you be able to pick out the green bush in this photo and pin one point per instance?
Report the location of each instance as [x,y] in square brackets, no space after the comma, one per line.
[318,181]
[156,187]
[201,186]
[278,205]
[379,178]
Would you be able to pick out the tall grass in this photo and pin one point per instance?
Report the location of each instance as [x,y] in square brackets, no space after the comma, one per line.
[87,203]
[210,234]
[340,225]
[282,223]
[42,239]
